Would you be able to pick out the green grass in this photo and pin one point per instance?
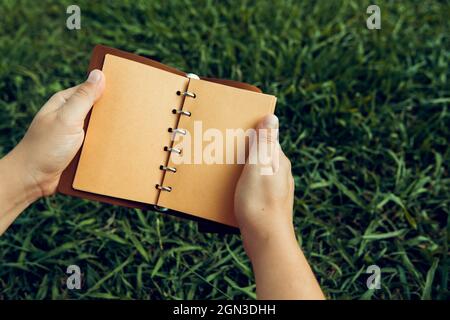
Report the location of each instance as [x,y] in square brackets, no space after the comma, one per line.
[364,118]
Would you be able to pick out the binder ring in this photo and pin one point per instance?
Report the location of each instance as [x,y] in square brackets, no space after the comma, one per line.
[187,94]
[177,130]
[192,76]
[160,209]
[172,150]
[182,112]
[165,168]
[163,188]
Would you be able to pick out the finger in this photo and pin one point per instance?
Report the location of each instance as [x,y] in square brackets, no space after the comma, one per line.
[78,104]
[267,129]
[265,149]
[266,132]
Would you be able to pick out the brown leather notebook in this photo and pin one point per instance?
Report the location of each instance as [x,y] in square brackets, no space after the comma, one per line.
[152,140]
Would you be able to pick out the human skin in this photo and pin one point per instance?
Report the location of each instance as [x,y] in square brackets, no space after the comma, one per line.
[33,168]
[264,210]
[263,203]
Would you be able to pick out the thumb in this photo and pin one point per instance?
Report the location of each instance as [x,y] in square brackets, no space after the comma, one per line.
[264,149]
[80,102]
[267,130]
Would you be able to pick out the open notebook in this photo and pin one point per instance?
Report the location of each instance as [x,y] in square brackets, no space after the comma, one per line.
[129,156]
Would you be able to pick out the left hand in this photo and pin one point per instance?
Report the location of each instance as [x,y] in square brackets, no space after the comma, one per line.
[55,135]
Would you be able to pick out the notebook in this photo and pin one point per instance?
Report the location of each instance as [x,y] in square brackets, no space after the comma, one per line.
[162,139]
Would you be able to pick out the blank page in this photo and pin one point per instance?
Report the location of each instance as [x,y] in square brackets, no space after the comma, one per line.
[127,132]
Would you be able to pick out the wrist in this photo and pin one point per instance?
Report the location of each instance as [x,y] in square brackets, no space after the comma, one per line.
[259,246]
[13,170]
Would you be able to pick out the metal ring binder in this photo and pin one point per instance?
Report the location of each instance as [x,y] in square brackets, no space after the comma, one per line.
[182,112]
[170,149]
[165,168]
[160,209]
[192,76]
[187,94]
[177,130]
[163,188]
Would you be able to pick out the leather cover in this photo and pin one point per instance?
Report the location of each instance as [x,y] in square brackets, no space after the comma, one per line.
[138,191]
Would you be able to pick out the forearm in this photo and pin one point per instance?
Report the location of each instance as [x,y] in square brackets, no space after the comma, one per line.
[282,272]
[17,190]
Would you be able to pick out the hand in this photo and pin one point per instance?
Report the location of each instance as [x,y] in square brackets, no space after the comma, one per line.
[33,168]
[264,207]
[56,133]
[263,202]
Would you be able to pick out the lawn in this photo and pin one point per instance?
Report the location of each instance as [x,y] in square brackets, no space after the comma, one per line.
[364,119]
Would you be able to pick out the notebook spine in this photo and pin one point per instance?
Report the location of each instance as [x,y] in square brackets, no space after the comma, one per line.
[179,112]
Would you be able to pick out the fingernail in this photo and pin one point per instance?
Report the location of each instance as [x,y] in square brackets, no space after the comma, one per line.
[271,122]
[94,76]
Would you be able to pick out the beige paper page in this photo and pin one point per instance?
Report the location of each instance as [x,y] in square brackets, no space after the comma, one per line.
[127,132]
[207,190]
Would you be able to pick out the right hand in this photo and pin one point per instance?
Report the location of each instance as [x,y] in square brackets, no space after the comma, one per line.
[264,203]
